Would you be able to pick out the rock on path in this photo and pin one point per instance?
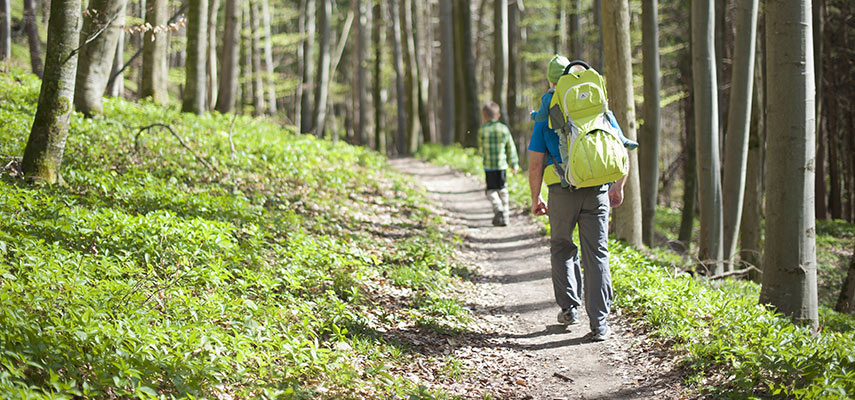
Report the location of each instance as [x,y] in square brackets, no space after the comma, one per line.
[513,295]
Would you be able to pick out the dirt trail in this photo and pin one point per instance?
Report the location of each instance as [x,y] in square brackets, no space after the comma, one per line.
[514,297]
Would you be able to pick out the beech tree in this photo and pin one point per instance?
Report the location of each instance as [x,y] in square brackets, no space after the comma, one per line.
[618,72]
[32,26]
[227,95]
[789,258]
[707,138]
[447,72]
[197,45]
[500,56]
[649,151]
[46,144]
[101,29]
[398,62]
[323,77]
[155,68]
[5,30]
[378,37]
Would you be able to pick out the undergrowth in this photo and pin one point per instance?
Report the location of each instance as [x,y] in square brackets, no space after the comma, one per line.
[263,271]
[731,346]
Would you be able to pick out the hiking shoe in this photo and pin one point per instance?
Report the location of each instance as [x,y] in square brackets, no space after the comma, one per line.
[504,220]
[602,334]
[497,219]
[568,316]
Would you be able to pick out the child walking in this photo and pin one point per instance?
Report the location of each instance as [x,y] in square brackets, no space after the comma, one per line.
[498,152]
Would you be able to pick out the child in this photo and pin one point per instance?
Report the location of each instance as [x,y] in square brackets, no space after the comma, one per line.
[554,70]
[498,152]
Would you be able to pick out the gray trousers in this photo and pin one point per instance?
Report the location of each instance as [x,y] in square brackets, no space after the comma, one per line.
[499,199]
[589,207]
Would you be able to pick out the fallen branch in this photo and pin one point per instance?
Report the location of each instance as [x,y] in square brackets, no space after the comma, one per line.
[736,272]
[180,140]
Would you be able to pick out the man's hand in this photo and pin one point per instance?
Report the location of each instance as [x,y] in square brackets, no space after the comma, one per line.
[615,195]
[538,207]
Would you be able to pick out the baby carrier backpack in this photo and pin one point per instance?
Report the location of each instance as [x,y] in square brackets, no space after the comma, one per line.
[592,153]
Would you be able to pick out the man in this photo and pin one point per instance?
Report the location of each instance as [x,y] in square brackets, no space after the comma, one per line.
[589,207]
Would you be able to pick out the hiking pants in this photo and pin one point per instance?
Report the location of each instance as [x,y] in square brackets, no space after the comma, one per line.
[499,199]
[589,207]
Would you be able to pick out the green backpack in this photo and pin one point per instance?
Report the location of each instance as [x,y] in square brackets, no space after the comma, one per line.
[592,153]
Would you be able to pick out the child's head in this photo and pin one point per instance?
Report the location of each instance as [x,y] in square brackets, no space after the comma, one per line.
[556,68]
[490,111]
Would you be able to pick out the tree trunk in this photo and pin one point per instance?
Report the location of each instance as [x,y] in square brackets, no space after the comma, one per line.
[43,154]
[269,77]
[227,94]
[818,32]
[575,27]
[598,19]
[424,65]
[500,57]
[211,64]
[789,259]
[411,84]
[846,299]
[618,71]
[323,78]
[398,62]
[257,69]
[514,76]
[116,85]
[97,50]
[690,175]
[32,27]
[155,68]
[649,151]
[447,72]
[752,207]
[308,68]
[197,46]
[378,36]
[298,92]
[736,140]
[5,30]
[361,106]
[706,128]
[470,83]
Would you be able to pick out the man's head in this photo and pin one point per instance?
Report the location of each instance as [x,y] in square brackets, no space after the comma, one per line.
[490,111]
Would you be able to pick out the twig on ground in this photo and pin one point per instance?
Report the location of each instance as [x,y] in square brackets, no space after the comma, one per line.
[180,140]
[736,272]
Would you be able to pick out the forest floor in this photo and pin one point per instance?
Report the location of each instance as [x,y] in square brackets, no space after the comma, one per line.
[516,349]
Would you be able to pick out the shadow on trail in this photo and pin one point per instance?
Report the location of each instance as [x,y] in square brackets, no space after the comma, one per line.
[516,309]
[518,278]
[458,192]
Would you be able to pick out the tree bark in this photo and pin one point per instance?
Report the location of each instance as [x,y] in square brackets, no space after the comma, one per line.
[789,259]
[500,57]
[361,74]
[575,27]
[269,74]
[46,144]
[470,83]
[155,68]
[618,71]
[514,76]
[323,78]
[598,19]
[227,94]
[447,73]
[752,208]
[211,64]
[378,36]
[32,27]
[308,68]
[411,84]
[649,151]
[398,62]
[706,128]
[690,175]
[736,140]
[116,84]
[818,32]
[424,65]
[846,299]
[197,46]
[5,30]
[259,105]
[97,50]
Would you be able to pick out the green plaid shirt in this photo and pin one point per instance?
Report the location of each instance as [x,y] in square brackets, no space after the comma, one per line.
[497,146]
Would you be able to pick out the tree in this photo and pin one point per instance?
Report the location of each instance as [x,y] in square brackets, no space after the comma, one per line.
[752,207]
[154,69]
[514,68]
[116,83]
[575,30]
[500,56]
[5,30]
[818,28]
[227,95]
[447,72]
[649,151]
[32,27]
[736,140]
[197,45]
[308,77]
[706,131]
[269,77]
[789,259]
[211,65]
[361,73]
[46,144]
[398,62]
[472,114]
[97,50]
[378,37]
[255,53]
[846,299]
[411,73]
[323,82]
[618,71]
[424,67]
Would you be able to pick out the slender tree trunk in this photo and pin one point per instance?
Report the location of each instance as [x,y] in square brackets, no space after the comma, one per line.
[706,128]
[245,78]
[846,299]
[789,259]
[211,64]
[43,154]
[752,207]
[269,74]
[5,30]
[736,141]
[298,93]
[378,36]
[309,66]
[598,19]
[447,72]
[323,81]
[116,85]
[818,32]
[618,71]
[32,27]
[401,133]
[411,84]
[514,76]
[460,94]
[197,46]
[649,152]
[97,50]
[575,27]
[361,106]
[424,65]
[690,176]
[500,56]
[155,68]
[470,83]
[227,94]
[258,82]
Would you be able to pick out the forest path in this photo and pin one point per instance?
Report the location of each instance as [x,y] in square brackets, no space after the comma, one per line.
[513,297]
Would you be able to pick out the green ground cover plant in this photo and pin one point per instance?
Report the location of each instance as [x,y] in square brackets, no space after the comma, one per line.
[731,346]
[252,263]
